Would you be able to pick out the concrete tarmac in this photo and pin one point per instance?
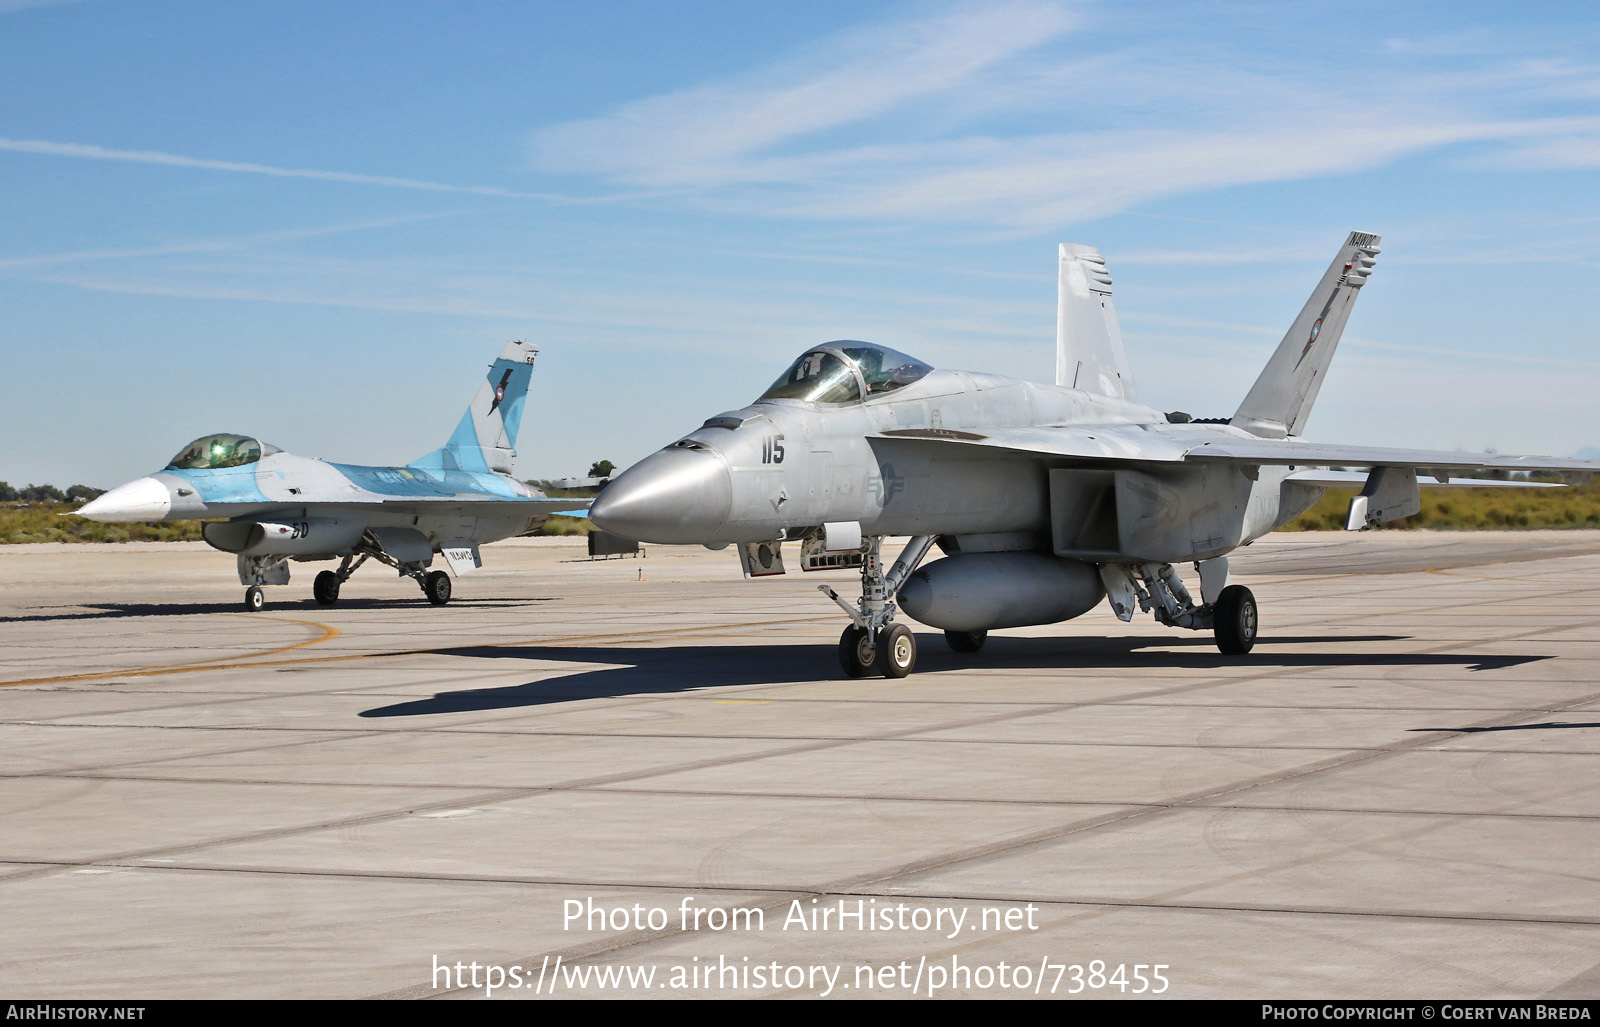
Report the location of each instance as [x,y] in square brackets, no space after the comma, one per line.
[580,773]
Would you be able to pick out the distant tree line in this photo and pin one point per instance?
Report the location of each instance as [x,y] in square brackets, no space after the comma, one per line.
[47,494]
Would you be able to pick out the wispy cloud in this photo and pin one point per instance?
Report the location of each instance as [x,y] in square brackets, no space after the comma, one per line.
[218,245]
[703,135]
[1003,115]
[658,309]
[80,150]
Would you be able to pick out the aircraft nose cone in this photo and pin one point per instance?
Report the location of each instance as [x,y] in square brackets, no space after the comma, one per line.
[142,499]
[676,496]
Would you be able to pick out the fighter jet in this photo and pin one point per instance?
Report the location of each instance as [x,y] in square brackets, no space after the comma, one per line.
[280,507]
[1045,498]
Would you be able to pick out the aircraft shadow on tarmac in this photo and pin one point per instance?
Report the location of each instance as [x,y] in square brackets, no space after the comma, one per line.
[690,668]
[1549,725]
[97,611]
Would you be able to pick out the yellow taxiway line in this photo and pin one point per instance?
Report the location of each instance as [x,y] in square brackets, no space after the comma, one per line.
[254,659]
[328,632]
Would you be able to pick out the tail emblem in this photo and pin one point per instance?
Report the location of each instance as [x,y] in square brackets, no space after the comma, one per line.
[1316,329]
[500,391]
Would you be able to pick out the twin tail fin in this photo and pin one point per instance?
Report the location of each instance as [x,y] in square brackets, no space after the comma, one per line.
[1280,401]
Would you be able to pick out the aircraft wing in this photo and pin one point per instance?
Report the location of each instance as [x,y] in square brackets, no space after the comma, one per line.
[1195,443]
[1291,452]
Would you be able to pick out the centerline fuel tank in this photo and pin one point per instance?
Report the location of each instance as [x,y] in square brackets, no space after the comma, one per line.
[981,591]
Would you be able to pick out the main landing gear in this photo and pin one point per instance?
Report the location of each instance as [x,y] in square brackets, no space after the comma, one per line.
[257,571]
[434,584]
[873,643]
[1232,619]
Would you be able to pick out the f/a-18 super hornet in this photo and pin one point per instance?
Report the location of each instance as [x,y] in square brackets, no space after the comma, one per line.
[280,507]
[1045,499]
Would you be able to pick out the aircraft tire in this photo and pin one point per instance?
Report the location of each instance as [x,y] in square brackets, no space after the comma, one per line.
[326,588]
[254,599]
[897,651]
[965,641]
[437,586]
[853,655]
[1235,621]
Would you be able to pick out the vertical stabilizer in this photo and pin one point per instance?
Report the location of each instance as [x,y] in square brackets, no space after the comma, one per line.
[486,438]
[1280,401]
[1089,352]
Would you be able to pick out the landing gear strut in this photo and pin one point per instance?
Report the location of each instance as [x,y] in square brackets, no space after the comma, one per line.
[873,643]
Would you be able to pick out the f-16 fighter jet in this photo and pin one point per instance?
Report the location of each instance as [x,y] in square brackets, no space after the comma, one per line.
[280,507]
[1045,499]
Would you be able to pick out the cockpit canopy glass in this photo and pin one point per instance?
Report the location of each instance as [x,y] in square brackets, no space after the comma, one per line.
[817,377]
[216,451]
[841,371]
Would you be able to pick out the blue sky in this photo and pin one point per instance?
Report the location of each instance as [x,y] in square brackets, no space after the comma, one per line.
[316,223]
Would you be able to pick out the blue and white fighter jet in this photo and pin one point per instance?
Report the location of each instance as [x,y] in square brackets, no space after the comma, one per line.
[269,507]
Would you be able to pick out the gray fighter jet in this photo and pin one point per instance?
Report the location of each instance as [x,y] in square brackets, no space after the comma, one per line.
[1045,499]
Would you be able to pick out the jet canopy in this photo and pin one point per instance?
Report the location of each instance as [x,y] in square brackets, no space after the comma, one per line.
[216,451]
[845,372]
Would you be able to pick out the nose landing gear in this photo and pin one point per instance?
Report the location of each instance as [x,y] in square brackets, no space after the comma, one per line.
[873,643]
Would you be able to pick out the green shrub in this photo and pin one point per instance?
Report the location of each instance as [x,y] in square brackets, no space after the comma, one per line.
[1472,509]
[42,522]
